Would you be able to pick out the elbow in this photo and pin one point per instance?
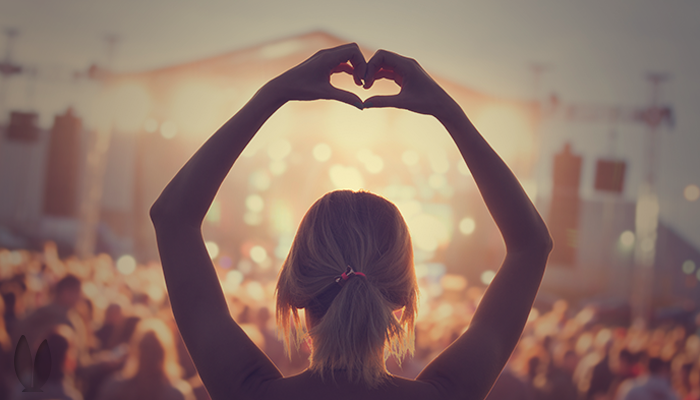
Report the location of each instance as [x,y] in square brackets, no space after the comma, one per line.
[158,213]
[548,243]
[155,213]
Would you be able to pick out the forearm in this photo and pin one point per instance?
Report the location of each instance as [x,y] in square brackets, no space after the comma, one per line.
[515,215]
[190,193]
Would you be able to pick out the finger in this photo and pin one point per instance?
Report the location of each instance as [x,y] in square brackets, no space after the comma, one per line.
[351,53]
[343,67]
[346,97]
[383,59]
[395,101]
[387,74]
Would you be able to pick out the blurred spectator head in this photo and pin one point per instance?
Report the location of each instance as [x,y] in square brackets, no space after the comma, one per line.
[658,366]
[68,291]
[113,314]
[366,232]
[153,356]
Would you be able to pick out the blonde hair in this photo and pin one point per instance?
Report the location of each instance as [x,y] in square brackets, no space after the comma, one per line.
[355,327]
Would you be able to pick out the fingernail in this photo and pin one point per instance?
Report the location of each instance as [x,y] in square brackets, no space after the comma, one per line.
[358,105]
[369,104]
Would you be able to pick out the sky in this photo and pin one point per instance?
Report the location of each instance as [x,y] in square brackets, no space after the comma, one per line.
[593,52]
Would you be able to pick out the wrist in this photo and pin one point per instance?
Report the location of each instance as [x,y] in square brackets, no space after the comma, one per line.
[272,94]
[449,113]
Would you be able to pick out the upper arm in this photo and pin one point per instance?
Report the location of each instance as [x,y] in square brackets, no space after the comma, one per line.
[471,364]
[226,359]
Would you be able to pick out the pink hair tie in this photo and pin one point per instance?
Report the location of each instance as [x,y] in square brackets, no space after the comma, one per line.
[349,272]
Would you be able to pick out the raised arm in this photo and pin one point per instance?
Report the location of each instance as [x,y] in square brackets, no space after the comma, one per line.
[470,365]
[227,360]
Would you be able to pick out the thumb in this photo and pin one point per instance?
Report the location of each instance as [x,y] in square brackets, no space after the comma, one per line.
[395,101]
[345,97]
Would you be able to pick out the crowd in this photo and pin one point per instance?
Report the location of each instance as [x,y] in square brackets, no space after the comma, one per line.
[111,335]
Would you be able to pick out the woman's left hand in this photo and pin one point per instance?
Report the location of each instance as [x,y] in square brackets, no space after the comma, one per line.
[310,80]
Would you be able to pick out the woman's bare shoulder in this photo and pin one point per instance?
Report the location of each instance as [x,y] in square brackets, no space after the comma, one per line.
[306,385]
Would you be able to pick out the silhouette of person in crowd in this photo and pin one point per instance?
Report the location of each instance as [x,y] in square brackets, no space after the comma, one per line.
[152,370]
[350,266]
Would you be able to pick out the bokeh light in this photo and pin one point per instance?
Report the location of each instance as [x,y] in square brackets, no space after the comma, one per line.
[691,192]
[212,249]
[344,177]
[627,239]
[410,157]
[254,203]
[427,232]
[260,180]
[168,129]
[258,254]
[688,267]
[322,152]
[467,225]
[126,264]
[487,276]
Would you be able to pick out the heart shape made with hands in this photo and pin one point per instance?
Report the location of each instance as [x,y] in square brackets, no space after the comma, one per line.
[381,87]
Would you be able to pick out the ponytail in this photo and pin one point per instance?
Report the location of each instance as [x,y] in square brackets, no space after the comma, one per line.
[354,325]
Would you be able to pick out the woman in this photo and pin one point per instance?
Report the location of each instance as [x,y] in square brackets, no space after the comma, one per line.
[350,265]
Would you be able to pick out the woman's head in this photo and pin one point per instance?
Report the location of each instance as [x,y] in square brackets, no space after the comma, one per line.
[352,325]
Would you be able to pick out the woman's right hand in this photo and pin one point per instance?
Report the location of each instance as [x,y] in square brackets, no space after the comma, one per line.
[310,80]
[419,92]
